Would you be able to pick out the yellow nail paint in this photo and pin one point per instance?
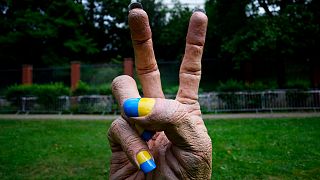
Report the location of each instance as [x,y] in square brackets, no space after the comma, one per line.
[145,161]
[145,106]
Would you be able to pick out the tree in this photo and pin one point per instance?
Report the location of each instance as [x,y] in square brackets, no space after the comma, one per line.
[157,18]
[55,32]
[43,33]
[285,32]
[170,41]
[225,17]
[112,25]
[167,30]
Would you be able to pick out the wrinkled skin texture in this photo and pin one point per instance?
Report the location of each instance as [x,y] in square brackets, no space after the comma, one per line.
[181,147]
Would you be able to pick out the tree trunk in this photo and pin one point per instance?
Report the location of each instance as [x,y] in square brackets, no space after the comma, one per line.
[247,72]
[281,74]
[315,75]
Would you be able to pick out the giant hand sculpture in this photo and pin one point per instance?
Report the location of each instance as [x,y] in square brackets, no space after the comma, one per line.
[181,147]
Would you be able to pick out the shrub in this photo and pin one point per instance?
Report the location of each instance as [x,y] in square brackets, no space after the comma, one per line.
[105,89]
[261,86]
[46,93]
[298,84]
[85,89]
[234,86]
[230,86]
[18,91]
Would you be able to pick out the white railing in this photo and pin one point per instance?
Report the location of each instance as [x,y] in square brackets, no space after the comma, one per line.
[277,100]
[260,101]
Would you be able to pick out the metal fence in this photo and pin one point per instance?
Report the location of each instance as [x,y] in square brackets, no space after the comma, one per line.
[213,102]
[100,74]
[90,104]
[280,100]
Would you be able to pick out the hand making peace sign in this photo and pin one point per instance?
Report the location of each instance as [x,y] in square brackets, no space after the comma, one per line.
[181,147]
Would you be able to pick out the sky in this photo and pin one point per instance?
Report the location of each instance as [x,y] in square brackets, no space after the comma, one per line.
[190,3]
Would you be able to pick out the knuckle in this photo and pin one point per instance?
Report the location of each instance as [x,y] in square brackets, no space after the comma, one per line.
[115,128]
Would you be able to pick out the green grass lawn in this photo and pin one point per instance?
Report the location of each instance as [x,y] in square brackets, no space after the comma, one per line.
[242,149]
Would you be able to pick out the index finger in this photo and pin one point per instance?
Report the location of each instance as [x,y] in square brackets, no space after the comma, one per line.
[145,61]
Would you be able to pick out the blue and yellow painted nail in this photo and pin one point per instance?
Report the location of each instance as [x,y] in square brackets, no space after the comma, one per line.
[146,161]
[138,107]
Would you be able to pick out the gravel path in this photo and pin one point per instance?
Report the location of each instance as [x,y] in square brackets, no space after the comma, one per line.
[112,117]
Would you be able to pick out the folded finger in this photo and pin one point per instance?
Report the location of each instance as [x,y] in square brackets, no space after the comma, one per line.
[123,138]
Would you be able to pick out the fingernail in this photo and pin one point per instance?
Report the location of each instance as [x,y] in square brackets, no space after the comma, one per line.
[144,134]
[135,5]
[145,106]
[137,107]
[198,10]
[146,161]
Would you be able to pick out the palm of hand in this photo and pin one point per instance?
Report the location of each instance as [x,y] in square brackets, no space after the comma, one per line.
[181,147]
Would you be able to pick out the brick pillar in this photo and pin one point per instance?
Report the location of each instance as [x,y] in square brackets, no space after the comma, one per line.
[27,74]
[128,66]
[75,74]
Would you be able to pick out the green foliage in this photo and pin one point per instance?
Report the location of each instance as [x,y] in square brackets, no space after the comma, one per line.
[47,94]
[85,89]
[110,27]
[44,33]
[55,32]
[17,91]
[98,75]
[170,42]
[105,89]
[300,84]
[261,86]
[47,33]
[230,86]
[247,35]
[171,90]
[234,85]
[238,31]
